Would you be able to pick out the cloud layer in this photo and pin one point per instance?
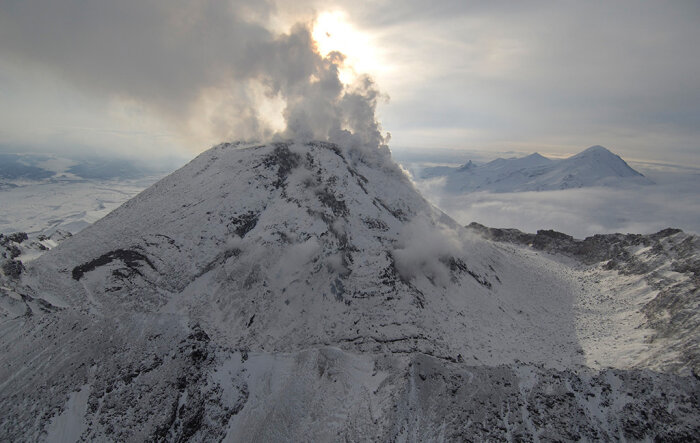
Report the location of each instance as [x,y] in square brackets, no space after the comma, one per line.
[672,202]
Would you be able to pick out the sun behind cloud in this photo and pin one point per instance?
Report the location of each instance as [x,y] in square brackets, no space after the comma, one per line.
[332,31]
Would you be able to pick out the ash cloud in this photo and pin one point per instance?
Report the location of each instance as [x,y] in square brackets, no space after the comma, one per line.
[206,66]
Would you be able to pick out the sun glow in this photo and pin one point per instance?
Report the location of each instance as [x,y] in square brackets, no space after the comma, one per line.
[333,32]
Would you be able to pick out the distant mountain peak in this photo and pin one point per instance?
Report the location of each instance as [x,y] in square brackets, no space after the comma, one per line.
[537,155]
[597,148]
[595,166]
[601,164]
[597,151]
[467,166]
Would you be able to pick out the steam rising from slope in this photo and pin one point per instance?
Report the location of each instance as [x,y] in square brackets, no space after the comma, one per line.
[207,66]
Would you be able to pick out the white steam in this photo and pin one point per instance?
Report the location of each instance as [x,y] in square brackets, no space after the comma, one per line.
[423,247]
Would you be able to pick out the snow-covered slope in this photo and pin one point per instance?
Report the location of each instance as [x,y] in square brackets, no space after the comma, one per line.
[642,284]
[288,246]
[596,166]
[295,291]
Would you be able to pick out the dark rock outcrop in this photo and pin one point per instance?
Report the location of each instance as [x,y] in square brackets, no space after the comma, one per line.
[12,268]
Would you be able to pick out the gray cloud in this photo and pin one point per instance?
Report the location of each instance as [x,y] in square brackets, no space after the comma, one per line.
[554,74]
[537,75]
[171,56]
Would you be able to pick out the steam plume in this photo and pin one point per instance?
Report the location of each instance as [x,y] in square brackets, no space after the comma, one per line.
[201,64]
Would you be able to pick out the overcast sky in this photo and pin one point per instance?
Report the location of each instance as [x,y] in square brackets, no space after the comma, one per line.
[156,77]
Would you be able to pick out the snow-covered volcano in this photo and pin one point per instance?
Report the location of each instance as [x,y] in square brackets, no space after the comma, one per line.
[596,166]
[302,291]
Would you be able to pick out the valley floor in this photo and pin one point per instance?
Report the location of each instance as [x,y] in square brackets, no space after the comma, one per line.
[70,205]
[606,308]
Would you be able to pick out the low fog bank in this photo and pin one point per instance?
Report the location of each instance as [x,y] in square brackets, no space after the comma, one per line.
[674,201]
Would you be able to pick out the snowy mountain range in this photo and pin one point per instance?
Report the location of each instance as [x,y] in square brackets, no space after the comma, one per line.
[596,166]
[307,292]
